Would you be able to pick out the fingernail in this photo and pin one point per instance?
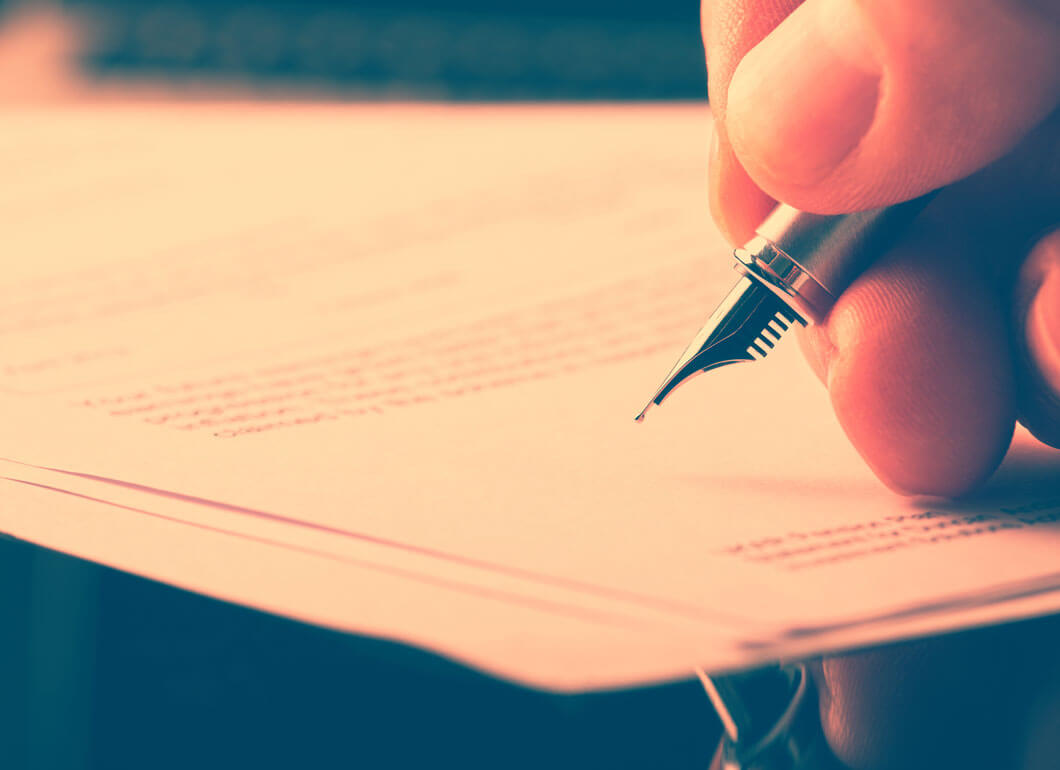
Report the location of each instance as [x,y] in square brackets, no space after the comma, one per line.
[802,99]
[1043,329]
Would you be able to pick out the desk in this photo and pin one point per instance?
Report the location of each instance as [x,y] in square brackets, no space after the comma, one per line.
[106,670]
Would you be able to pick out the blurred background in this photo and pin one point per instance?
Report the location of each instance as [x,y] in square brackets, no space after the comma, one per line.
[359,49]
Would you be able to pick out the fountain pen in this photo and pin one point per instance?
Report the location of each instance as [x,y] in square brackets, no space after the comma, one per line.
[792,272]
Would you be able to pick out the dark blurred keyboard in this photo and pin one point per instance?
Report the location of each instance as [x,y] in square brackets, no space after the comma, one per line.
[455,50]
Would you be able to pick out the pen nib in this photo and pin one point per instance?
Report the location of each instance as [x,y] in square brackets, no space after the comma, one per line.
[745,326]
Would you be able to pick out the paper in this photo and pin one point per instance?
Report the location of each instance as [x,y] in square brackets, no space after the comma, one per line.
[376,367]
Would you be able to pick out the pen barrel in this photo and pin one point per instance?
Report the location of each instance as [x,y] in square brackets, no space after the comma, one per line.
[813,258]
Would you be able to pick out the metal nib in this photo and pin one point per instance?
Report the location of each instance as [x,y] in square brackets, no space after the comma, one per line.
[746,325]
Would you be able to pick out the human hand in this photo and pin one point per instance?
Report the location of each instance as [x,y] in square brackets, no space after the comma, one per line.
[930,357]
[838,105]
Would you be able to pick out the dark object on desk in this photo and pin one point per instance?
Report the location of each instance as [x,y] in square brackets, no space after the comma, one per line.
[770,720]
[104,670]
[450,49]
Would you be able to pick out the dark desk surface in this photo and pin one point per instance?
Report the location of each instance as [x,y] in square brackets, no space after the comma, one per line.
[104,670]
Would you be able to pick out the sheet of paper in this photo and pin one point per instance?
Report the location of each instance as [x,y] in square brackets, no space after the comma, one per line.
[412,339]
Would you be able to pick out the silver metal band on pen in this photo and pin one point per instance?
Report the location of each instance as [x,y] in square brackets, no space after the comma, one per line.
[782,275]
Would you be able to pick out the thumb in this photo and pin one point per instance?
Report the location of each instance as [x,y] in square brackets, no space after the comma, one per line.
[852,104]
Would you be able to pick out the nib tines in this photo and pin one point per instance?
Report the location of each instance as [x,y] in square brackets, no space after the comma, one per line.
[745,327]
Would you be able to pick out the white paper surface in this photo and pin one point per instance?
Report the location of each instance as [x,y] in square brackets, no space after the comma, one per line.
[403,347]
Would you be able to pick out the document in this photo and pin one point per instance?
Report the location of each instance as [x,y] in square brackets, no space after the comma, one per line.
[375,367]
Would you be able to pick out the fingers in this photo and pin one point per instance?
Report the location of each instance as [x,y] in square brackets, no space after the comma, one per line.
[737,203]
[918,353]
[851,104]
[917,361]
[983,698]
[833,105]
[1038,340]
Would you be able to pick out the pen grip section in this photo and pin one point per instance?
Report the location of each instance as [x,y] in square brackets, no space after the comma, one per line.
[836,249]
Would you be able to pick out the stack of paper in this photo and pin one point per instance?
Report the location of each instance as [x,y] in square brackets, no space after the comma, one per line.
[375,367]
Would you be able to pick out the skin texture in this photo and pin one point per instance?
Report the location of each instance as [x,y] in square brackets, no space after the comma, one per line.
[932,355]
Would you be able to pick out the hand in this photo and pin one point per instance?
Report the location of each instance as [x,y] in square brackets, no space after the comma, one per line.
[930,357]
[838,105]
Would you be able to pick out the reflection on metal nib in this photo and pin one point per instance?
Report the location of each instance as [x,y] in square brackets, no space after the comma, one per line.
[746,325]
